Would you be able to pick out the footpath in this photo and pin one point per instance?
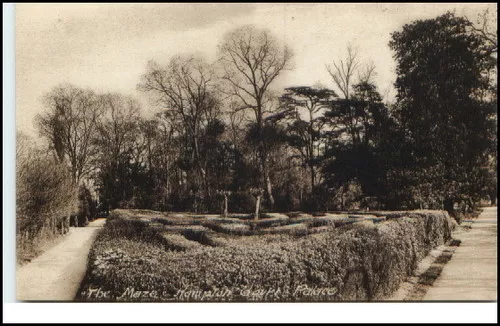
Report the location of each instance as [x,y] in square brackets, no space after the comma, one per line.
[471,274]
[56,274]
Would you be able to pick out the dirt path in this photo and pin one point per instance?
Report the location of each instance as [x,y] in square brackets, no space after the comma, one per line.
[471,274]
[56,274]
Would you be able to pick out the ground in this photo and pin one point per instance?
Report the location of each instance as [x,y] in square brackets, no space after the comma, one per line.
[471,274]
[56,274]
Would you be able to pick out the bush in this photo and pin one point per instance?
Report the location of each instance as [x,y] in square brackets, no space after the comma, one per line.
[319,229]
[46,197]
[86,207]
[362,261]
[224,220]
[233,228]
[294,229]
[180,242]
[269,219]
[204,236]
[135,230]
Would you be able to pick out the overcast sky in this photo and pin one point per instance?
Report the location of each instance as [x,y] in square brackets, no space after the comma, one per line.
[106,46]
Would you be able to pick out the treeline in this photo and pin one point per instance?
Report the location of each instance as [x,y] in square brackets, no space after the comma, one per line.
[223,134]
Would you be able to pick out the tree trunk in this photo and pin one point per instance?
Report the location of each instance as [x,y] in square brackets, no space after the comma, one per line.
[257,207]
[68,222]
[342,200]
[269,190]
[267,180]
[203,173]
[311,167]
[263,159]
[225,206]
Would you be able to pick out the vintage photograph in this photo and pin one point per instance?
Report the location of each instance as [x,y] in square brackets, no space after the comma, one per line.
[256,152]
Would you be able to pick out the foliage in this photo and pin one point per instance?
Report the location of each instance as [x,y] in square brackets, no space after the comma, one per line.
[69,123]
[251,60]
[305,127]
[222,128]
[87,209]
[46,196]
[445,115]
[363,261]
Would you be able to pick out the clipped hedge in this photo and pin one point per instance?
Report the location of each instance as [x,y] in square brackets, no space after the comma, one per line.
[212,239]
[294,229]
[230,228]
[357,262]
[269,220]
[180,242]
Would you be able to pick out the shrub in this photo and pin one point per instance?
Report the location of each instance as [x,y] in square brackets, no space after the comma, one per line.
[86,207]
[135,230]
[327,220]
[319,229]
[46,197]
[295,214]
[212,239]
[232,228]
[195,233]
[361,261]
[179,242]
[270,220]
[242,216]
[294,229]
[223,220]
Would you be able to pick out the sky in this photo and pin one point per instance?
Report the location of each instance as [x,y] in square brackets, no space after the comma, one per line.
[106,47]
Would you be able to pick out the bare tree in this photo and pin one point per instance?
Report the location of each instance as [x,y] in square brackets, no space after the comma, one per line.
[350,76]
[69,123]
[251,60]
[485,27]
[117,131]
[117,128]
[186,89]
[166,151]
[367,73]
[344,71]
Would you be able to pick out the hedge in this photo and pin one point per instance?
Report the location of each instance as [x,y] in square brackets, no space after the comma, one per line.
[363,261]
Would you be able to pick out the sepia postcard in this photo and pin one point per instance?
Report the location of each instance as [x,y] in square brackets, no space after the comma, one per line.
[256,152]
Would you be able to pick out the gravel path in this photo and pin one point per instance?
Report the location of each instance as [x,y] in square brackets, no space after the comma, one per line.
[471,274]
[56,274]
